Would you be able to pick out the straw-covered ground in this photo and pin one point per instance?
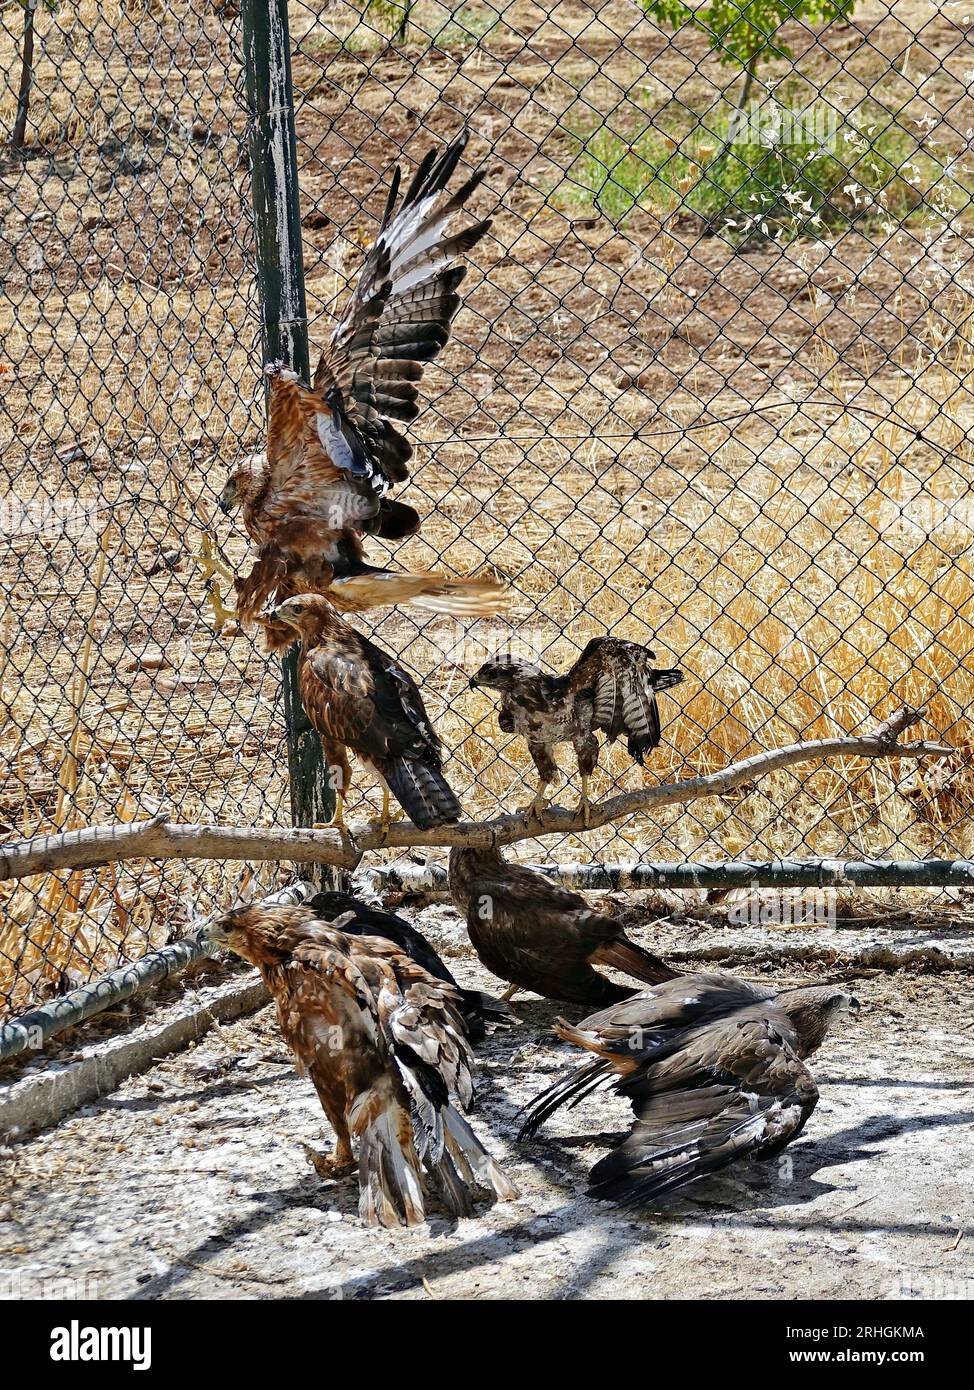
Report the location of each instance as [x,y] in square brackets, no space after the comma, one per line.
[191,1180]
[752,450]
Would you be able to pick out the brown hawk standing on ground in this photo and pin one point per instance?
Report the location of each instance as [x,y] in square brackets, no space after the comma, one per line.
[383,1045]
[542,937]
[334,450]
[612,686]
[357,697]
[713,1068]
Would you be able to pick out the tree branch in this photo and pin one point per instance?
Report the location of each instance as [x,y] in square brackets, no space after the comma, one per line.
[160,839]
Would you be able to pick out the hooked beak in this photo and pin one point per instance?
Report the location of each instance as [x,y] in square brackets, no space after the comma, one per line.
[854,1005]
[228,498]
[208,932]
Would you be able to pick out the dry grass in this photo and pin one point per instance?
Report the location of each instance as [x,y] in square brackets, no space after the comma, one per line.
[809,565]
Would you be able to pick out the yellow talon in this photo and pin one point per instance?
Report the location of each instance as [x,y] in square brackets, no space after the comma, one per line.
[215,569]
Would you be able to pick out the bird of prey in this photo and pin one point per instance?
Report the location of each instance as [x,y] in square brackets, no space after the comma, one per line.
[383,1045]
[478,1011]
[334,449]
[611,687]
[713,1068]
[538,936]
[357,697]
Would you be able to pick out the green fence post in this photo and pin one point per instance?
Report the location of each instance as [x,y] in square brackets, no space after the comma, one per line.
[277,228]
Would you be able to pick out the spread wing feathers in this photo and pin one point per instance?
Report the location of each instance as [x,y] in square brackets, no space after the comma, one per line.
[732,1087]
[622,682]
[477,1010]
[355,694]
[632,1030]
[406,1119]
[400,312]
[319,471]
[707,1063]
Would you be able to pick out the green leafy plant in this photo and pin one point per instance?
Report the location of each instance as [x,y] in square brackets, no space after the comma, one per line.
[745,33]
[871,171]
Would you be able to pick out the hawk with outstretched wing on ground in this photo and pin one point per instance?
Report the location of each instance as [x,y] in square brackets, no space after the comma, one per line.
[382,1043]
[612,687]
[335,449]
[359,698]
[714,1069]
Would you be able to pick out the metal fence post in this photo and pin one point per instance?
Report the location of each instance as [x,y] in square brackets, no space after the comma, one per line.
[277,227]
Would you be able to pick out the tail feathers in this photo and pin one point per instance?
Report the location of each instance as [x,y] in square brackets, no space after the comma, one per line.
[631,959]
[423,793]
[433,592]
[471,1161]
[570,1088]
[461,598]
[665,680]
[390,1183]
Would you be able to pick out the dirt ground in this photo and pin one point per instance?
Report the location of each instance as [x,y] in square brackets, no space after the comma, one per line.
[191,1181]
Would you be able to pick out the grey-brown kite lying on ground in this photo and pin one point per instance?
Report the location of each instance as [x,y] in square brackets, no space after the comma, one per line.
[713,1068]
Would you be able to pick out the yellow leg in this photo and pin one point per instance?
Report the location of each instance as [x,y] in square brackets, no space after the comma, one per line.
[509,993]
[215,569]
[584,804]
[386,816]
[337,821]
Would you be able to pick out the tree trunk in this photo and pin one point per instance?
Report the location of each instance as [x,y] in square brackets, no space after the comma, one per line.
[26,77]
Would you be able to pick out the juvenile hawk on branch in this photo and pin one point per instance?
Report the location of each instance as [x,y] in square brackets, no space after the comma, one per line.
[334,450]
[357,697]
[611,687]
[713,1068]
[539,936]
[382,1043]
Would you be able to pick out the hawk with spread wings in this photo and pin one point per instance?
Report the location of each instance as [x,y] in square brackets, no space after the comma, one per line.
[357,697]
[611,687]
[334,450]
[714,1069]
[539,936]
[382,1043]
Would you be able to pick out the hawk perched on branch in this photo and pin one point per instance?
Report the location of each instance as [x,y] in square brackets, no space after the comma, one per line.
[359,698]
[612,686]
[335,450]
[713,1068]
[542,937]
[382,1043]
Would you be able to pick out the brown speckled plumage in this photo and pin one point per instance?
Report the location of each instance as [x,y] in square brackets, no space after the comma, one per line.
[382,1043]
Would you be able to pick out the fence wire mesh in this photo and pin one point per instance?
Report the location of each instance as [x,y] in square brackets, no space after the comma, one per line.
[710,386]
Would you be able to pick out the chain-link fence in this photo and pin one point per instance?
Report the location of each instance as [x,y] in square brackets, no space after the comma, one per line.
[710,385]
